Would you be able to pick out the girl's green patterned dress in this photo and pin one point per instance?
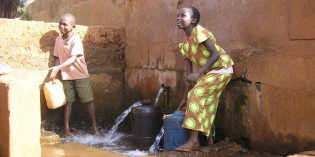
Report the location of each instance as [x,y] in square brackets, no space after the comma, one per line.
[203,98]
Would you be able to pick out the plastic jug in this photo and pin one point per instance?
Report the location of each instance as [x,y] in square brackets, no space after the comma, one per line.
[54,94]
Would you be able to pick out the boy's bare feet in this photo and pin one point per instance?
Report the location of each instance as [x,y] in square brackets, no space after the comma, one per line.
[68,134]
[96,132]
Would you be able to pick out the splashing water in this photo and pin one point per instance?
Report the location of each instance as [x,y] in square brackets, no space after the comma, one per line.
[120,118]
[120,143]
[93,140]
[155,145]
[159,94]
[112,141]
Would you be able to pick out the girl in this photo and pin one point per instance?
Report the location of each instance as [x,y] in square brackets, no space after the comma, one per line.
[213,74]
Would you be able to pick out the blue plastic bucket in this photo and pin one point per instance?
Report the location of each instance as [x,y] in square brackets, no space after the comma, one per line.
[174,134]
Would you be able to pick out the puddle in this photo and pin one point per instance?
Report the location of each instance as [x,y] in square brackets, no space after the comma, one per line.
[118,143]
[112,140]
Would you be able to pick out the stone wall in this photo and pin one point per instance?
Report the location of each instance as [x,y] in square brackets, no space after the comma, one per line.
[28,46]
[269,104]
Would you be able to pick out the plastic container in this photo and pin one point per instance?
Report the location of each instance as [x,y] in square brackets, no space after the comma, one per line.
[174,134]
[146,124]
[54,94]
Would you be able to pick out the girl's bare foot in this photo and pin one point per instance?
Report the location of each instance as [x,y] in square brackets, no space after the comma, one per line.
[187,147]
[192,144]
[210,140]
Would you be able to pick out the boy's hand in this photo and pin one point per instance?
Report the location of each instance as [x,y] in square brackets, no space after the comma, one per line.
[54,72]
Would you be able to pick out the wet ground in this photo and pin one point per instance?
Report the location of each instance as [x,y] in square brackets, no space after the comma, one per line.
[220,149]
[118,143]
[76,150]
[115,144]
[304,154]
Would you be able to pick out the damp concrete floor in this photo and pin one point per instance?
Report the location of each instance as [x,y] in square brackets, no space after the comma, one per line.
[75,150]
[221,149]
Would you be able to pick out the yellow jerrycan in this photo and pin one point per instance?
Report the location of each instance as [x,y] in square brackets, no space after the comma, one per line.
[54,94]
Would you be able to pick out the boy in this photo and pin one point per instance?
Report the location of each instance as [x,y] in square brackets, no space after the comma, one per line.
[75,78]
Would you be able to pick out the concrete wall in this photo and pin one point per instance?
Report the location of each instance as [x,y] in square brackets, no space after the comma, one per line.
[29,45]
[109,13]
[273,70]
[269,104]
[20,120]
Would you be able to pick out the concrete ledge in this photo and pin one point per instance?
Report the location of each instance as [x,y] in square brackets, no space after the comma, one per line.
[20,117]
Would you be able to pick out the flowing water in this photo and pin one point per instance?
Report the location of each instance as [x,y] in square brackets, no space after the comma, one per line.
[158,95]
[112,140]
[115,141]
[120,118]
[155,146]
[120,143]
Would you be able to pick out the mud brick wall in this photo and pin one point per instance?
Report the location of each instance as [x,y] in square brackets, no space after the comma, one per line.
[28,46]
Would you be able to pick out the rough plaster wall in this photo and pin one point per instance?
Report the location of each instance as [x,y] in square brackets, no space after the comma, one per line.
[270,102]
[29,45]
[87,12]
[24,44]
[276,112]
[278,115]
[151,43]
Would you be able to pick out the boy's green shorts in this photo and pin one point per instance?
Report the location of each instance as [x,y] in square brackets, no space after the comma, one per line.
[80,87]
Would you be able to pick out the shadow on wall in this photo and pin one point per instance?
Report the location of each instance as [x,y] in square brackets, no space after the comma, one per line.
[47,43]
[51,118]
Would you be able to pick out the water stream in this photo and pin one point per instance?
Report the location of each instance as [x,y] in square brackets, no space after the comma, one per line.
[120,118]
[158,95]
[112,140]
[155,146]
[115,141]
